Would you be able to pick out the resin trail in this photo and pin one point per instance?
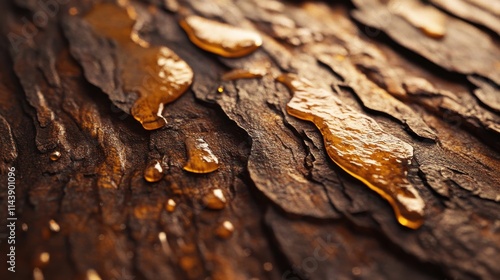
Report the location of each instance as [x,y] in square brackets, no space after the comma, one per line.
[358,145]
[156,74]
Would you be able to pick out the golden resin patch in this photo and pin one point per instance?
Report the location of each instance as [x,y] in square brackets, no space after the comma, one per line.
[220,38]
[201,158]
[358,145]
[155,73]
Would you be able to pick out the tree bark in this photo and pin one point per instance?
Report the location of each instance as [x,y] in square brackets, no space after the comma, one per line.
[296,214]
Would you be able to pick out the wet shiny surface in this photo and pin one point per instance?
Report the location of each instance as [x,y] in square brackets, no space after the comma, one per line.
[220,38]
[200,158]
[170,206]
[358,145]
[225,230]
[244,74]
[54,226]
[215,200]
[156,74]
[153,172]
[93,275]
[55,155]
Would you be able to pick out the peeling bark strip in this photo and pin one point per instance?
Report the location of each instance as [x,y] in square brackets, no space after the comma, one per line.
[485,13]
[488,93]
[467,59]
[100,197]
[8,147]
[376,98]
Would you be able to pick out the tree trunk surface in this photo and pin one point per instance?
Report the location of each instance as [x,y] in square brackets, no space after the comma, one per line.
[85,211]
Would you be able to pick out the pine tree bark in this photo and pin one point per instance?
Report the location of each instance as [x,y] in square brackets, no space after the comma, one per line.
[296,214]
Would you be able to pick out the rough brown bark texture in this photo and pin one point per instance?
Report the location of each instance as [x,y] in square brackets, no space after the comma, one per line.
[296,214]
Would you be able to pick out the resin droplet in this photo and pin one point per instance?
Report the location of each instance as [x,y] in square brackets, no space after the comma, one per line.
[164,243]
[244,74]
[170,207]
[54,226]
[73,11]
[356,271]
[225,230]
[268,266]
[426,18]
[173,78]
[215,200]
[220,38]
[55,155]
[201,158]
[156,74]
[358,145]
[37,274]
[153,172]
[162,236]
[92,275]
[220,89]
[44,257]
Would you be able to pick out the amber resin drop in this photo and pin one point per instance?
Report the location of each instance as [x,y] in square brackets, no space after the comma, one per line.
[93,275]
[201,158]
[171,204]
[44,257]
[55,155]
[426,18]
[225,230]
[156,74]
[220,38]
[37,274]
[215,200]
[244,74]
[54,226]
[153,172]
[358,145]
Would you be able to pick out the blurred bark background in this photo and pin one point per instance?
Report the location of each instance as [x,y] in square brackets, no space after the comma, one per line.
[296,215]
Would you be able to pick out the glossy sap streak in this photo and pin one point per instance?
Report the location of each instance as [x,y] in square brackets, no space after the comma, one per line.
[220,38]
[358,145]
[156,74]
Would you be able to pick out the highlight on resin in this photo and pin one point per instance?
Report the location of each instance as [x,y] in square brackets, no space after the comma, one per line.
[358,145]
[170,206]
[155,73]
[225,230]
[244,74]
[200,158]
[220,38]
[55,155]
[153,172]
[173,78]
[215,200]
